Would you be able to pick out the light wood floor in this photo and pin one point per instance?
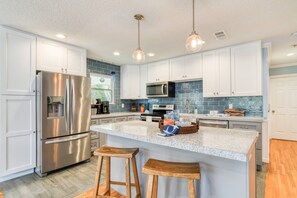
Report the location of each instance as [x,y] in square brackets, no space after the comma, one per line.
[281,178]
[89,193]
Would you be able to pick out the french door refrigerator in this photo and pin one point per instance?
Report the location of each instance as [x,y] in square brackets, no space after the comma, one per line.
[63,125]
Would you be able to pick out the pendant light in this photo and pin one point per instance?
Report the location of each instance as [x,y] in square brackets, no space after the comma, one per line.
[194,41]
[138,55]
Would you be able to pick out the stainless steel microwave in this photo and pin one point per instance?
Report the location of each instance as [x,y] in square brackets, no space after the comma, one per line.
[160,89]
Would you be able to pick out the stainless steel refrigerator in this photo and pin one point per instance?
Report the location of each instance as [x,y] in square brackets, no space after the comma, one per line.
[63,125]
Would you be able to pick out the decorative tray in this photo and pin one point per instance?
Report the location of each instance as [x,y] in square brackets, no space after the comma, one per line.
[184,129]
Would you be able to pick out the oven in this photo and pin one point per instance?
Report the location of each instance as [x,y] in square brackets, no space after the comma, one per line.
[159,110]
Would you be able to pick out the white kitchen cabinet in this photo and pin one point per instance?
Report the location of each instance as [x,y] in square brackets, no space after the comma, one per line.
[143,81]
[216,73]
[17,62]
[158,71]
[130,86]
[53,56]
[246,70]
[18,134]
[186,68]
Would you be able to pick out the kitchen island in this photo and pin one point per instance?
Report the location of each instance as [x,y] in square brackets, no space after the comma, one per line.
[226,157]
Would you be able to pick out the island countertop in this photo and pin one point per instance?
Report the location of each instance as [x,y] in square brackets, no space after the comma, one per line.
[232,144]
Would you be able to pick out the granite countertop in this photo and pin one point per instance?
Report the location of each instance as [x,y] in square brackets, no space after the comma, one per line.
[116,114]
[226,143]
[230,118]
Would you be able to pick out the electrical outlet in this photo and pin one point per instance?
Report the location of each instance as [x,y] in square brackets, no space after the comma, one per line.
[123,105]
[230,106]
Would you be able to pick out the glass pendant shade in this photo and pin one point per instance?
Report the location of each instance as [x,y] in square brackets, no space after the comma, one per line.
[138,55]
[194,42]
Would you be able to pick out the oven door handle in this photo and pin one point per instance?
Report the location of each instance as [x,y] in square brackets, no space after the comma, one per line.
[225,123]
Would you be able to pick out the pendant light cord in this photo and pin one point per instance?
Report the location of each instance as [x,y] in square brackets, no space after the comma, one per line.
[193,15]
[138,34]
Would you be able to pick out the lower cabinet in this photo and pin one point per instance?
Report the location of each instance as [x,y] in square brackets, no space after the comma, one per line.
[17,135]
[251,126]
[99,139]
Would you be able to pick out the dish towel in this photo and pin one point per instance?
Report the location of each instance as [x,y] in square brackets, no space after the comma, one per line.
[170,130]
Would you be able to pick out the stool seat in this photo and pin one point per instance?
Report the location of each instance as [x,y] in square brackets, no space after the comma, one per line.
[116,152]
[172,169]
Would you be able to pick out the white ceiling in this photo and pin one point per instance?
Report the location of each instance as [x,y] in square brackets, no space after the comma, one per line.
[105,26]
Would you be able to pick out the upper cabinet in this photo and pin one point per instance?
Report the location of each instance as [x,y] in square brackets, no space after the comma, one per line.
[130,82]
[17,62]
[133,81]
[246,70]
[234,71]
[57,57]
[158,71]
[186,68]
[216,73]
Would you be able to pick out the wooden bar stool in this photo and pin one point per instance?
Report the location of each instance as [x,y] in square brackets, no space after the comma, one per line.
[127,154]
[155,168]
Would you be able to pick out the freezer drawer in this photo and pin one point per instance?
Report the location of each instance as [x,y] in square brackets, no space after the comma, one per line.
[61,152]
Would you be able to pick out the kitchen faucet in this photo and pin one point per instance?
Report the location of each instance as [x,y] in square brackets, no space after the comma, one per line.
[187,105]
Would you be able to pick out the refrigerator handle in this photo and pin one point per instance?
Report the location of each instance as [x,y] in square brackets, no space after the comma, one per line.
[66,108]
[72,105]
[67,139]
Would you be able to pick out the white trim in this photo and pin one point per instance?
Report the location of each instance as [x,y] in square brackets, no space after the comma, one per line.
[283,76]
[12,176]
[284,65]
[266,160]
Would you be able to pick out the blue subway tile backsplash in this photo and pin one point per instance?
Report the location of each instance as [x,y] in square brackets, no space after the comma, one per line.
[191,91]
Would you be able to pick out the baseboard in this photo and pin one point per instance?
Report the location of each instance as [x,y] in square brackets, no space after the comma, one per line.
[266,160]
[12,176]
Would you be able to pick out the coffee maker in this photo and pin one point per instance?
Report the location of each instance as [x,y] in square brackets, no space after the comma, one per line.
[105,107]
[99,106]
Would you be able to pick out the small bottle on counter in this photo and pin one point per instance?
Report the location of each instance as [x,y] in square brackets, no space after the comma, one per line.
[196,110]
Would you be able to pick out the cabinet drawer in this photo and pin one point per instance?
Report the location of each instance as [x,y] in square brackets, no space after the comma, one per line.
[94,135]
[106,121]
[120,119]
[94,122]
[130,118]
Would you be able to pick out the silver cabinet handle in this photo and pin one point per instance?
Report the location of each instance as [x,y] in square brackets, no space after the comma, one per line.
[273,111]
[217,93]
[214,93]
[62,69]
[66,70]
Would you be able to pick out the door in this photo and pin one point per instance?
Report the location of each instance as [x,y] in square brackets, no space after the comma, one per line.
[283,107]
[64,151]
[18,63]
[246,70]
[177,71]
[55,91]
[143,81]
[193,66]
[51,56]
[76,61]
[18,134]
[224,72]
[80,104]
[130,82]
[210,74]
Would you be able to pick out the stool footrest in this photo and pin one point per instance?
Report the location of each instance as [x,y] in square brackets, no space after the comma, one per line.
[121,183]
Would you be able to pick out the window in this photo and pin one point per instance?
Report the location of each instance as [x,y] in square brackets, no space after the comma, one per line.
[102,87]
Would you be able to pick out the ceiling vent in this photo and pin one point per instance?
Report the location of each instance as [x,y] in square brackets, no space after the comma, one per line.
[220,35]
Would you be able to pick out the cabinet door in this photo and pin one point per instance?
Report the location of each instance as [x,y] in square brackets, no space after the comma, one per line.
[158,72]
[76,61]
[18,63]
[246,70]
[18,137]
[177,71]
[51,56]
[143,81]
[120,119]
[193,66]
[210,74]
[224,71]
[130,82]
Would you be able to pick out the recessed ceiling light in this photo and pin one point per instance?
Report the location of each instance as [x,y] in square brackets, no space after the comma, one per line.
[116,53]
[151,54]
[294,33]
[60,36]
[290,54]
